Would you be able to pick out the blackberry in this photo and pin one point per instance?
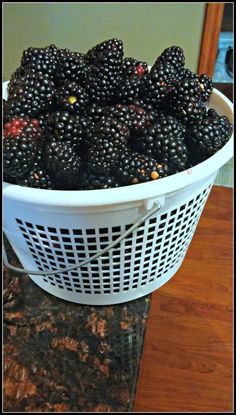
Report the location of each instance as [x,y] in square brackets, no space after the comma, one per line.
[105,72]
[174,55]
[71,128]
[63,164]
[206,86]
[131,66]
[136,168]
[202,83]
[185,89]
[72,97]
[135,118]
[128,90]
[109,48]
[188,111]
[165,142]
[71,66]
[92,181]
[32,94]
[109,141]
[37,178]
[21,142]
[157,85]
[207,136]
[40,60]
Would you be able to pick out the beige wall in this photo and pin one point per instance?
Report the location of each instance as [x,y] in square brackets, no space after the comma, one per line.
[145,28]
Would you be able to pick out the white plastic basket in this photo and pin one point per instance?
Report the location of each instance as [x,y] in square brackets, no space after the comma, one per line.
[51,229]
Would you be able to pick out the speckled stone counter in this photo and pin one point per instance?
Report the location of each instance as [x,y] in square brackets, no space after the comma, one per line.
[65,357]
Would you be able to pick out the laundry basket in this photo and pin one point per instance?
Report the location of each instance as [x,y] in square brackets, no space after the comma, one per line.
[140,232]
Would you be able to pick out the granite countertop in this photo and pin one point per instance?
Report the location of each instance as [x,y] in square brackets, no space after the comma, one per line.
[64,357]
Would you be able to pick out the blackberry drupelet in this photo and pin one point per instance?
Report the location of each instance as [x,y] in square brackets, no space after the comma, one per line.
[128,90]
[136,168]
[22,139]
[93,181]
[131,66]
[63,164]
[174,55]
[212,113]
[72,97]
[165,141]
[109,142]
[105,62]
[206,86]
[209,135]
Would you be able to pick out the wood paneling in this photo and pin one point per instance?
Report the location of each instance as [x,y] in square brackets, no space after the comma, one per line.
[187,355]
[211,31]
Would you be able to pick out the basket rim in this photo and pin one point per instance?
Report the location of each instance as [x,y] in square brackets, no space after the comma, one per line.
[131,193]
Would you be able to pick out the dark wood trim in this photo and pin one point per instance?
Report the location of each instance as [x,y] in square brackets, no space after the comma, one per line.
[211,30]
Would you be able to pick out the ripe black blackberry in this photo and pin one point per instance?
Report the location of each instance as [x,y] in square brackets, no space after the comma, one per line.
[71,66]
[22,139]
[112,47]
[63,164]
[93,181]
[105,62]
[131,66]
[37,177]
[201,84]
[207,136]
[72,97]
[165,141]
[128,90]
[31,95]
[206,86]
[185,89]
[71,128]
[157,85]
[174,55]
[40,60]
[136,168]
[135,118]
[109,142]
[188,111]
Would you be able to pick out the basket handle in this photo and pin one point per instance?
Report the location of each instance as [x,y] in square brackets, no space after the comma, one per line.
[154,209]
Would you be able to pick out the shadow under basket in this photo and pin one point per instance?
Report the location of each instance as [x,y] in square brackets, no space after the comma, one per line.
[50,230]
